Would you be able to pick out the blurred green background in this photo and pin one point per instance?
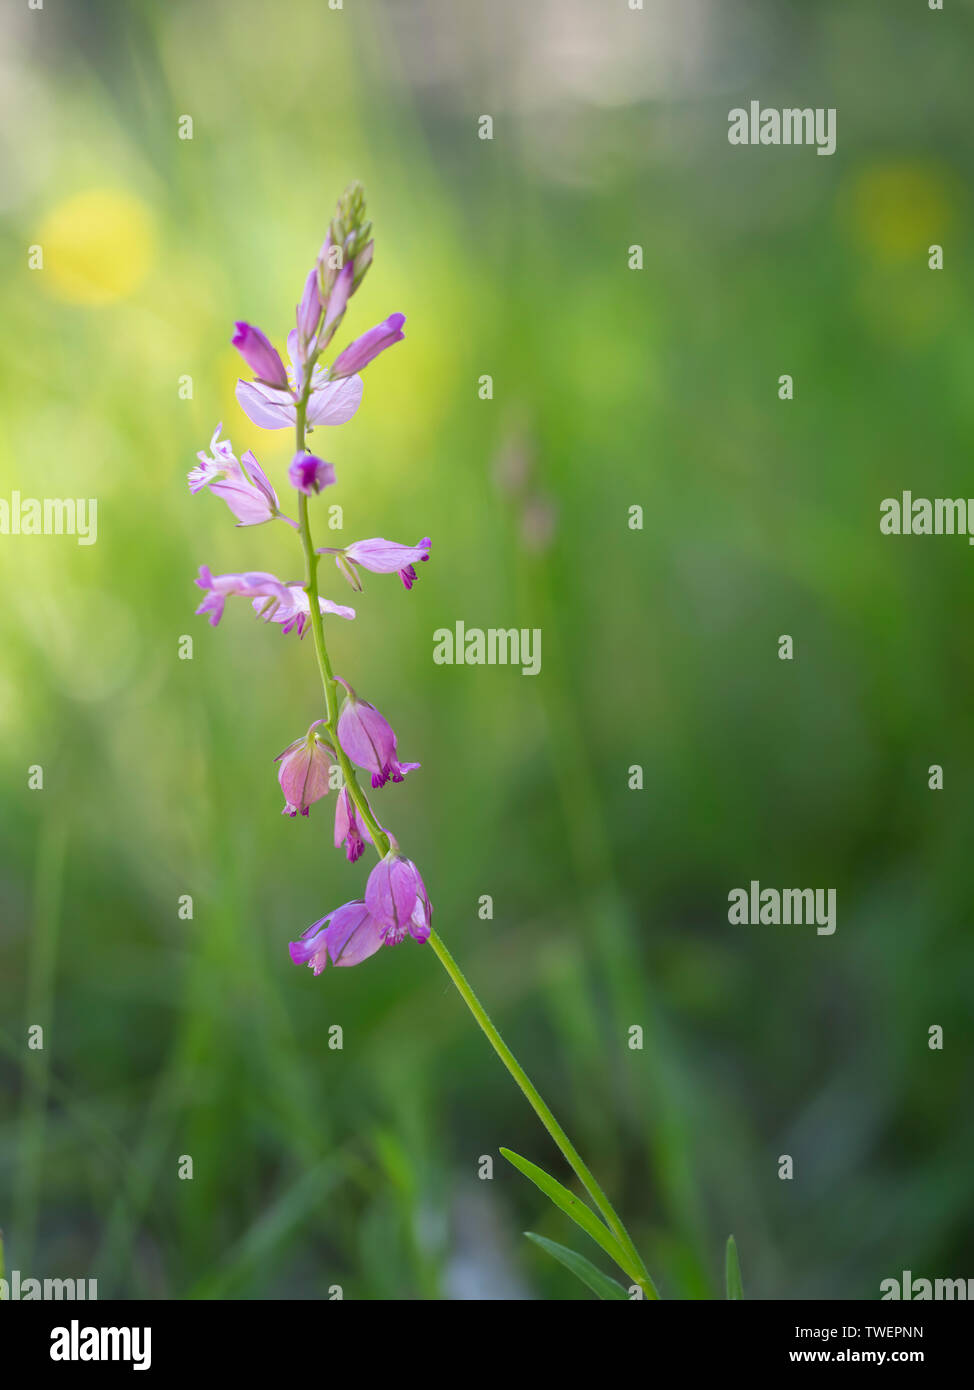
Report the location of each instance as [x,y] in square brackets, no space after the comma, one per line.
[316,1167]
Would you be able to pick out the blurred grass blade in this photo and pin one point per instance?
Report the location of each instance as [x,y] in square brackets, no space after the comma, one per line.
[735,1289]
[581,1214]
[582,1268]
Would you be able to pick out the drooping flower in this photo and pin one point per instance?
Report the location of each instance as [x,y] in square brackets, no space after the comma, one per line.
[348,831]
[305,768]
[292,610]
[242,484]
[380,556]
[348,935]
[369,740]
[260,354]
[309,474]
[253,584]
[366,348]
[396,897]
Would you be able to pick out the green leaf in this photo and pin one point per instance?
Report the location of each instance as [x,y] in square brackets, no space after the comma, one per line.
[581,1214]
[732,1266]
[582,1268]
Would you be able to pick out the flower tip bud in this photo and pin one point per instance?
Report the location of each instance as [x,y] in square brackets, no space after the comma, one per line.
[361,263]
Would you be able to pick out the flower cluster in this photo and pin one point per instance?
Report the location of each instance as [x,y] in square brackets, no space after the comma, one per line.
[305,395]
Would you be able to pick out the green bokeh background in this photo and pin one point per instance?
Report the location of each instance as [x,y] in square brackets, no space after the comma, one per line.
[316,1167]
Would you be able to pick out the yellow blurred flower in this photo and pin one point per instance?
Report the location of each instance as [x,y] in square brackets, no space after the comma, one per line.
[97,246]
[897,210]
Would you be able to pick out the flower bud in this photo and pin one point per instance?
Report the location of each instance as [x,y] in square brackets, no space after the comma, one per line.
[304,772]
[309,310]
[369,740]
[260,355]
[348,831]
[365,349]
[309,474]
[361,264]
[397,899]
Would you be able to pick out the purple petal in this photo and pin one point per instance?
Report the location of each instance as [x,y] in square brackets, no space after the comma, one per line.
[387,557]
[391,893]
[334,402]
[271,409]
[354,935]
[259,353]
[309,474]
[309,310]
[366,736]
[347,828]
[248,505]
[293,611]
[258,477]
[312,947]
[304,773]
[338,298]
[366,348]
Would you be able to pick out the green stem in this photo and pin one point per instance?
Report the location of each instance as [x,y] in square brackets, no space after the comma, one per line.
[540,1108]
[381,842]
[379,837]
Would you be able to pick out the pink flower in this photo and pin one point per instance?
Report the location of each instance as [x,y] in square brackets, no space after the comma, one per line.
[369,741]
[212,469]
[397,899]
[396,905]
[365,349]
[292,610]
[274,408]
[309,474]
[246,490]
[348,935]
[254,584]
[384,557]
[260,355]
[304,771]
[347,829]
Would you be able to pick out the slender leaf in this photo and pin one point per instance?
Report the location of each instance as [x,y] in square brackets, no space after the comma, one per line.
[579,1212]
[735,1289]
[582,1268]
